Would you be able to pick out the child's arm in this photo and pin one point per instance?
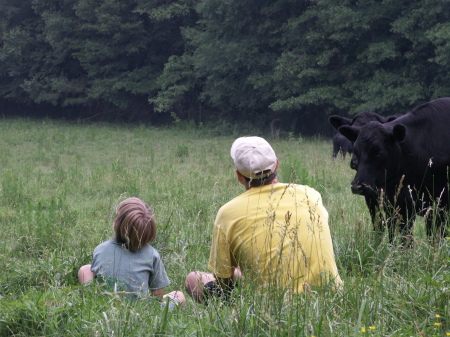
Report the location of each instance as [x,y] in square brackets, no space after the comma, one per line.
[158,293]
[85,274]
[177,297]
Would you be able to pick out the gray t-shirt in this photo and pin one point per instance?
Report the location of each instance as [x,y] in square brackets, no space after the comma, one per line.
[135,272]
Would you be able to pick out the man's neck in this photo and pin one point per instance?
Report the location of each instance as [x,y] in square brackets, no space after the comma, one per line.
[273,181]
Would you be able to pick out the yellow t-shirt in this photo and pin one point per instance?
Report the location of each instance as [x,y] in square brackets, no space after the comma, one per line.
[278,234]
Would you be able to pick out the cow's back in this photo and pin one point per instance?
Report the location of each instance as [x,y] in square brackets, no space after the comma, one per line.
[427,133]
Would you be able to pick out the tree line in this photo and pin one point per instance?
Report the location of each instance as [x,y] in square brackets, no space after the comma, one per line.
[281,63]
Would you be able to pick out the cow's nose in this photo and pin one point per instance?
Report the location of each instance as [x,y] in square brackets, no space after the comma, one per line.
[357,188]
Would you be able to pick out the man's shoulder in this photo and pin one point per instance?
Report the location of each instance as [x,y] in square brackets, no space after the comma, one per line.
[233,202]
[292,187]
[301,187]
[255,194]
[299,191]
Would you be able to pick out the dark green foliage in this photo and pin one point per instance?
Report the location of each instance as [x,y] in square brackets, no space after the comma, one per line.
[103,55]
[351,56]
[233,52]
[281,65]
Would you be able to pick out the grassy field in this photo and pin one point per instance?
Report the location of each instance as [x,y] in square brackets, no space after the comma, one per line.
[60,183]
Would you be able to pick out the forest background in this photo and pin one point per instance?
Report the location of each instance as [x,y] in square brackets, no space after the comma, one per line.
[278,65]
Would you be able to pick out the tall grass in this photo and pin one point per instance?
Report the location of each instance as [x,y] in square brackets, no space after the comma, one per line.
[60,183]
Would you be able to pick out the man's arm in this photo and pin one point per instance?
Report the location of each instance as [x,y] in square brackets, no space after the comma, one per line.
[227,284]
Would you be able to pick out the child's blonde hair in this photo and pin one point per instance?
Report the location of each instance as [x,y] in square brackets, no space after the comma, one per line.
[134,224]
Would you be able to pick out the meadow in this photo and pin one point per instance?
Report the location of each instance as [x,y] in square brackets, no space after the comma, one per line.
[60,183]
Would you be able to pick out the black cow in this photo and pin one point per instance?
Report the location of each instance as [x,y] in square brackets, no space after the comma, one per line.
[359,120]
[406,162]
[340,142]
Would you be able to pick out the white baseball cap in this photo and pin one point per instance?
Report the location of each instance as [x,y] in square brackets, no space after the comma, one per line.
[252,156]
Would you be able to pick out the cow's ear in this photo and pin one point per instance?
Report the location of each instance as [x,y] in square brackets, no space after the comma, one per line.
[391,118]
[399,132]
[338,121]
[349,132]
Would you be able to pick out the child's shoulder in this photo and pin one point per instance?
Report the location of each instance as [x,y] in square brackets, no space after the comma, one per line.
[105,244]
[147,252]
[150,249]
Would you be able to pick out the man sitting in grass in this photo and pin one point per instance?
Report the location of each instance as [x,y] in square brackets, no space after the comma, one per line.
[274,234]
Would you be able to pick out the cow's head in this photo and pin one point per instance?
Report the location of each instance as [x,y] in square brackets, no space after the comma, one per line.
[338,121]
[359,119]
[376,156]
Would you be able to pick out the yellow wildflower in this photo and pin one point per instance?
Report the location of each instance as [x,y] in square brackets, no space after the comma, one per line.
[363,329]
[437,324]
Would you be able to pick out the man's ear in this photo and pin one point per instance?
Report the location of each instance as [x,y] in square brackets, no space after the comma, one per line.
[240,176]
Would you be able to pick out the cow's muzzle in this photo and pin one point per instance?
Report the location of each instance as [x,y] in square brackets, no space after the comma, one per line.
[357,188]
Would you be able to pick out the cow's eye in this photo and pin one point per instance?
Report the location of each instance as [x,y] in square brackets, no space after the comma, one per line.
[354,164]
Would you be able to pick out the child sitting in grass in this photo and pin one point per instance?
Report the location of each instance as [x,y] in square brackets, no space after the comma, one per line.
[128,262]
